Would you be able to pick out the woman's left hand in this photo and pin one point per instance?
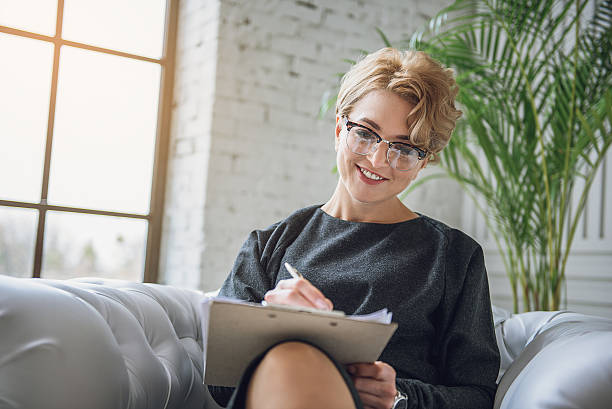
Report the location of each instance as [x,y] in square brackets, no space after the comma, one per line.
[375,383]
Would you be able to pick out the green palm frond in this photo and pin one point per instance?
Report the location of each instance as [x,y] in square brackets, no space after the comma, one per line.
[535,82]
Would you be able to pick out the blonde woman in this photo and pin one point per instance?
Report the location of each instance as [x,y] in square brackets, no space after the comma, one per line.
[364,250]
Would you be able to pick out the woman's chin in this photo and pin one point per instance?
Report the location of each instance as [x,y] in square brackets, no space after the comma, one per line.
[368,196]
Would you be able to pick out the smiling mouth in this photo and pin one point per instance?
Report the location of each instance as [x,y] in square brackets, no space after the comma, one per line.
[370,175]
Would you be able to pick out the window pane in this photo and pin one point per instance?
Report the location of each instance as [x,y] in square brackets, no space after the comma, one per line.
[104,136]
[20,14]
[25,85]
[135,26]
[79,245]
[17,240]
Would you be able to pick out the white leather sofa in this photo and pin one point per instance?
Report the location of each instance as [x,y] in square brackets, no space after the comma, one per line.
[106,344]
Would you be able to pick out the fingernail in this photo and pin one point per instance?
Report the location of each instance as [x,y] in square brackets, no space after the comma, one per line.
[322,305]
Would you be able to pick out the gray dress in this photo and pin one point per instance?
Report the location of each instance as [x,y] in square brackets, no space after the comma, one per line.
[430,276]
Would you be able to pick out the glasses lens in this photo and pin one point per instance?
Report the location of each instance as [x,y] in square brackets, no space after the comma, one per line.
[360,140]
[402,157]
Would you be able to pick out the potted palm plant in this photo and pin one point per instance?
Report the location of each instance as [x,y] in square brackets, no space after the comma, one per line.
[535,90]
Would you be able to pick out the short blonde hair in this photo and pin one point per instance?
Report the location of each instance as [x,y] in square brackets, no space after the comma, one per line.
[416,77]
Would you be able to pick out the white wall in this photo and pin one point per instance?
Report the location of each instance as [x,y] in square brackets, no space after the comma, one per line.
[183,236]
[246,147]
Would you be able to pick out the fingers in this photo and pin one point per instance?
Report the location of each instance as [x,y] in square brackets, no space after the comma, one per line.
[287,297]
[379,389]
[298,292]
[375,383]
[307,290]
[375,402]
[377,370]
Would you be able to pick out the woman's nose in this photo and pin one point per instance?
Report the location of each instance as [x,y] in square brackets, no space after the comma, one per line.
[378,157]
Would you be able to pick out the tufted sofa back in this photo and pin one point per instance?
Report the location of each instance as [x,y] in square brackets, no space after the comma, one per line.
[99,344]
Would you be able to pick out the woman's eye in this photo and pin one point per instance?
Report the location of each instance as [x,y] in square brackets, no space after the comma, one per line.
[364,133]
[405,150]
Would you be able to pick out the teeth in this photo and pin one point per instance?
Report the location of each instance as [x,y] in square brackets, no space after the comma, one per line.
[370,175]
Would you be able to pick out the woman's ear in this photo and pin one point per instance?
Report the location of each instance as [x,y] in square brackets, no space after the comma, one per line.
[424,165]
[418,170]
[338,131]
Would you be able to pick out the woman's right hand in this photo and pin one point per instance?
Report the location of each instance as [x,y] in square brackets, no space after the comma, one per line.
[299,292]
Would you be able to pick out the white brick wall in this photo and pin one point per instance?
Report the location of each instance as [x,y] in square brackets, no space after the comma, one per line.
[194,94]
[247,148]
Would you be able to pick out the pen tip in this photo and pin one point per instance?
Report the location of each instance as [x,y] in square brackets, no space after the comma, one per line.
[294,273]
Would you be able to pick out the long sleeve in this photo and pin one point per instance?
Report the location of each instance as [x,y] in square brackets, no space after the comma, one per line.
[247,281]
[255,269]
[468,357]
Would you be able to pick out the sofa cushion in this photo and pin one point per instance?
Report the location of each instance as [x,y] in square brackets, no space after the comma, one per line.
[514,331]
[565,362]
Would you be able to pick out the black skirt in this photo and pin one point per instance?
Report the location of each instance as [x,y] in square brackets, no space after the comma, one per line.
[238,399]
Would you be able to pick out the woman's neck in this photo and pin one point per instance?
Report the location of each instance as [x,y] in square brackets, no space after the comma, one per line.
[342,206]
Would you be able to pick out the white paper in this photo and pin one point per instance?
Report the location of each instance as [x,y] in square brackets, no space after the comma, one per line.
[383,316]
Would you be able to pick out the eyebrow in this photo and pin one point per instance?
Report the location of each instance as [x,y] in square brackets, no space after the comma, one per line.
[375,126]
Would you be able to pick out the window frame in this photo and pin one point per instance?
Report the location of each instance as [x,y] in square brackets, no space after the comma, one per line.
[162,138]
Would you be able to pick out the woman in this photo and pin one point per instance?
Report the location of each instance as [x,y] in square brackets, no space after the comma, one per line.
[364,250]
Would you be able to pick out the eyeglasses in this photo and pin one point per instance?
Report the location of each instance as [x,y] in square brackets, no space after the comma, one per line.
[362,140]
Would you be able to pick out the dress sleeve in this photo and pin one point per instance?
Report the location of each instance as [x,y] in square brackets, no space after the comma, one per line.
[468,357]
[249,281]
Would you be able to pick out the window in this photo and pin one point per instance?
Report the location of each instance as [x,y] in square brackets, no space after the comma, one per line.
[84,122]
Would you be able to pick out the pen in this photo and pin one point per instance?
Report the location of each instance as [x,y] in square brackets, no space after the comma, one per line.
[293,271]
[296,274]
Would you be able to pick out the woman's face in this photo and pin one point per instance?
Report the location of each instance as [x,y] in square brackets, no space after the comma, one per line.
[385,113]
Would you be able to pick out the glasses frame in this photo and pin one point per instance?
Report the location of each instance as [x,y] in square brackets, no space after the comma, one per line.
[422,154]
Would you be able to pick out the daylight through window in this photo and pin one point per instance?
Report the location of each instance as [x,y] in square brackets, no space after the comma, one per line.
[84,122]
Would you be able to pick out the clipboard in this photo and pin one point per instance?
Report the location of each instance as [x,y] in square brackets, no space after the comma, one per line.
[234,332]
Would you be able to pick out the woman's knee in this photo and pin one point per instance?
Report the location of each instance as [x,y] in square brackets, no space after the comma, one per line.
[291,353]
[298,373]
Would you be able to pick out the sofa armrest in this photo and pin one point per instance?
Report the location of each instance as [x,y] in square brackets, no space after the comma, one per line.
[565,361]
[93,343]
